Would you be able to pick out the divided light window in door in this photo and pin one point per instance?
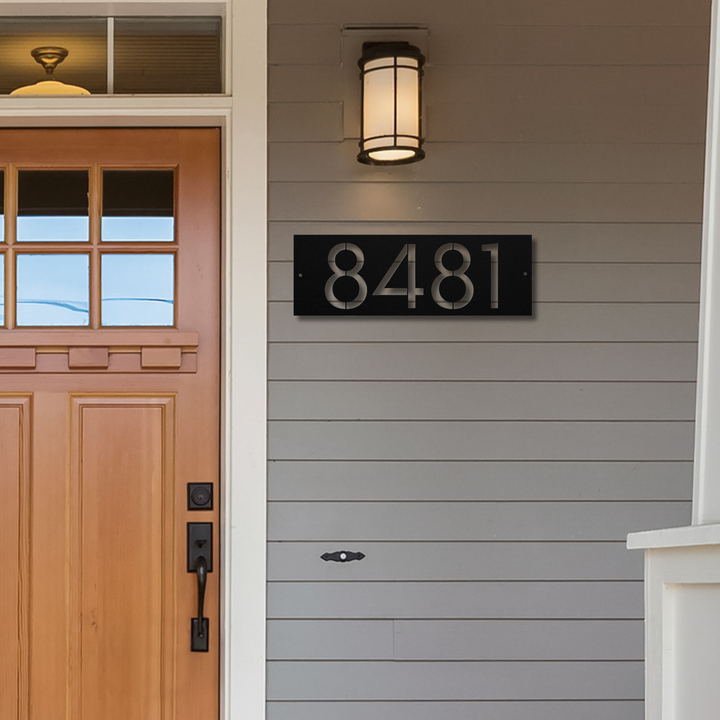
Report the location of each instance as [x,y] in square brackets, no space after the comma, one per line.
[92,247]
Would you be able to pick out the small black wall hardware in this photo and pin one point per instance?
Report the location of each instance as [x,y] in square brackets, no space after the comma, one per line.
[412,275]
[200,496]
[199,560]
[342,556]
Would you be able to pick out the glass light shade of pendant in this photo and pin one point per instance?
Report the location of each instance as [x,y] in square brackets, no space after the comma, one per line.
[391,132]
[50,87]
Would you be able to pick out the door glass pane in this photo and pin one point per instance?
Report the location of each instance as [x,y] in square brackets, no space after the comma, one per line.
[52,206]
[53,290]
[2,206]
[2,289]
[138,289]
[138,206]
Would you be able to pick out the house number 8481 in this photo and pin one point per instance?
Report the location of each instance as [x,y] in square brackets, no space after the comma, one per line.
[412,291]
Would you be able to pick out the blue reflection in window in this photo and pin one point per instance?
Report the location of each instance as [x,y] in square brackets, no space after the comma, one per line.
[2,206]
[52,228]
[2,289]
[138,205]
[138,229]
[53,290]
[138,289]
[52,206]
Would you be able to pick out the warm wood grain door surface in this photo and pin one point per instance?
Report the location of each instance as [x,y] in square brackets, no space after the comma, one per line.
[102,426]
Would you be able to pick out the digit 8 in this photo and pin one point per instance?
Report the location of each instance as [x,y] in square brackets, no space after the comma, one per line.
[353,273]
[460,273]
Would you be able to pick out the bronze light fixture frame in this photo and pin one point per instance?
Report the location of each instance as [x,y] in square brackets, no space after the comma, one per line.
[398,145]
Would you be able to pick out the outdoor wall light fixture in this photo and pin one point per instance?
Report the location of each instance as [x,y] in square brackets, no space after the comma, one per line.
[391,129]
[50,57]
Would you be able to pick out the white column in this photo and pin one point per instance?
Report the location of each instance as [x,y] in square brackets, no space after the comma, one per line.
[682,565]
[706,481]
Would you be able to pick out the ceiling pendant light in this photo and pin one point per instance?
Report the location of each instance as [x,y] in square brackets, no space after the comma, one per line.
[391,132]
[50,57]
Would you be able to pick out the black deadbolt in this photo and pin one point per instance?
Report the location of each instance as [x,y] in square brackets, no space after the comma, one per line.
[200,496]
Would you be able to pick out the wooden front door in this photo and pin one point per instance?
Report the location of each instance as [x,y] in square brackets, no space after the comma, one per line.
[109,411]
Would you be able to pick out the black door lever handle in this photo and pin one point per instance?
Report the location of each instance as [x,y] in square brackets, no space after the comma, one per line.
[199,562]
[201,570]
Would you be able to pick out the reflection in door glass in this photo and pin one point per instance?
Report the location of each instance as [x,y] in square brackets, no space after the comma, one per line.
[138,289]
[138,205]
[52,206]
[2,206]
[2,290]
[53,290]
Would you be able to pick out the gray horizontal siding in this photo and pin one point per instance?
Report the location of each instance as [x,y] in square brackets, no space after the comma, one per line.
[553,242]
[463,710]
[305,121]
[514,45]
[442,561]
[489,640]
[492,162]
[357,400]
[471,521]
[455,600]
[477,440]
[524,202]
[458,680]
[486,361]
[495,85]
[520,121]
[489,469]
[510,12]
[516,121]
[605,45]
[556,322]
[461,481]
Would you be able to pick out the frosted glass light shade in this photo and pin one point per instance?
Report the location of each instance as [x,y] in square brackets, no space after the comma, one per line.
[391,130]
[50,87]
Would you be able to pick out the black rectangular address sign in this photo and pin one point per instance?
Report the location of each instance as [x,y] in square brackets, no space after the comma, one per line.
[413,275]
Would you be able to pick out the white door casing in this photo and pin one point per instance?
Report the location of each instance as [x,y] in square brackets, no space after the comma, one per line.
[241,113]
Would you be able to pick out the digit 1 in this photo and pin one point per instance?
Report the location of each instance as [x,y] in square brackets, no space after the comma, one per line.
[493,248]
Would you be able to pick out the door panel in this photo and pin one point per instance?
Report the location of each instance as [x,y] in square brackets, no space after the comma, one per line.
[14,509]
[101,430]
[122,536]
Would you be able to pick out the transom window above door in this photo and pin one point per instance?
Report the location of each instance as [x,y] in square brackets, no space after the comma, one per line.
[87,247]
[114,55]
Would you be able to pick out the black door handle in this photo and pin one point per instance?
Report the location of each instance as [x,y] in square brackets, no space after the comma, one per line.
[199,561]
[200,623]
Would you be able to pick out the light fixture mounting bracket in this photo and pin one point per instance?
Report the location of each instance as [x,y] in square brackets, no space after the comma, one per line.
[49,56]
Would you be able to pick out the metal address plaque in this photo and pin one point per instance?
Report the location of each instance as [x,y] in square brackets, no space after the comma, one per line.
[413,275]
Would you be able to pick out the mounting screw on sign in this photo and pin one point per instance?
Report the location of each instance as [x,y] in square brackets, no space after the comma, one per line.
[342,556]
